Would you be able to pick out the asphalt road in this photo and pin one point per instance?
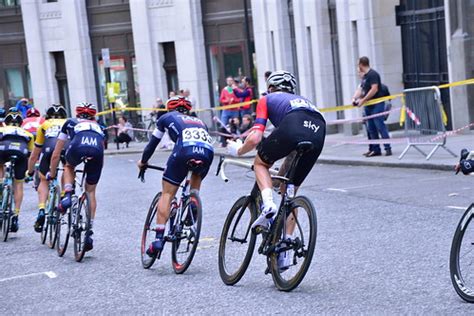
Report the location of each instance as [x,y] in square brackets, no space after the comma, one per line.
[384,236]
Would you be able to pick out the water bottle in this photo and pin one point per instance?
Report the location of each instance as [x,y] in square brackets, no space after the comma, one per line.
[290,191]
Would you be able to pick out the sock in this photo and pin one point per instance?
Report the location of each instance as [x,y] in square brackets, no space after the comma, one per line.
[68,188]
[267,197]
[160,231]
[41,206]
[196,191]
[17,211]
[92,223]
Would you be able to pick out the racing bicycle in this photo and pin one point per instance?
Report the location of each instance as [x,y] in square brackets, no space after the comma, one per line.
[291,233]
[184,223]
[8,203]
[49,231]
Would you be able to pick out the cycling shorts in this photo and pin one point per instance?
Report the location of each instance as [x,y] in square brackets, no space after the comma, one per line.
[9,148]
[176,167]
[80,149]
[47,153]
[296,126]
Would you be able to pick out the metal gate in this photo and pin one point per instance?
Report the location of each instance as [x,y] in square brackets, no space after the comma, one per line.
[425,59]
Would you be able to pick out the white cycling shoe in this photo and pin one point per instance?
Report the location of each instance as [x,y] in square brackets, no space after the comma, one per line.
[265,217]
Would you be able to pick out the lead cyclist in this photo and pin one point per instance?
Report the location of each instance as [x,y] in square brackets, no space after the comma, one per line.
[296,119]
[192,142]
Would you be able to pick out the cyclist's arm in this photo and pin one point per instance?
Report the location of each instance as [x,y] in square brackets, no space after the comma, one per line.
[256,135]
[151,146]
[251,142]
[33,159]
[56,156]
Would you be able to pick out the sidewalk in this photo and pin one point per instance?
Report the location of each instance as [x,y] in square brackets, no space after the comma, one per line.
[347,154]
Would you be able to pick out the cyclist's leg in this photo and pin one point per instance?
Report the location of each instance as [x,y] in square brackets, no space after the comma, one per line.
[168,193]
[21,165]
[72,160]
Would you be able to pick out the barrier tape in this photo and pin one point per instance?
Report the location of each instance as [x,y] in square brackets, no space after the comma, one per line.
[361,119]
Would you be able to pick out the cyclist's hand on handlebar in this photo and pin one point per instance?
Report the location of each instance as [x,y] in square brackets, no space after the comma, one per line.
[142,167]
[233,147]
[50,177]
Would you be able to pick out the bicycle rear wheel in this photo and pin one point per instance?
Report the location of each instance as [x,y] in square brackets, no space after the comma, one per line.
[462,257]
[141,135]
[237,242]
[187,230]
[63,231]
[148,235]
[7,212]
[52,218]
[297,242]
[81,225]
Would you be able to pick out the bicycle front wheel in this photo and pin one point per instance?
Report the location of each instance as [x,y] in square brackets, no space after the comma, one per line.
[63,231]
[81,225]
[462,257]
[148,234]
[294,241]
[237,242]
[186,232]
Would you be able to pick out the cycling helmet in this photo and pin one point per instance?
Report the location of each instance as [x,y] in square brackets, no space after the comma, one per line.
[56,111]
[178,103]
[33,113]
[3,113]
[86,110]
[282,80]
[13,118]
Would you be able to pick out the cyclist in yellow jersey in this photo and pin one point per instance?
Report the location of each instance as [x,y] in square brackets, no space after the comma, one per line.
[46,137]
[15,141]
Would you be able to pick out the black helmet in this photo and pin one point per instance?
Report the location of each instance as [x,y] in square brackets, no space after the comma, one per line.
[13,118]
[282,80]
[56,111]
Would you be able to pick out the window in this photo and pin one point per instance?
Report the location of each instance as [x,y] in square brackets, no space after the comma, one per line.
[9,3]
[170,66]
[14,85]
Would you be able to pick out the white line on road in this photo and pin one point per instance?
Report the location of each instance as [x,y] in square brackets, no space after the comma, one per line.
[337,190]
[49,274]
[457,207]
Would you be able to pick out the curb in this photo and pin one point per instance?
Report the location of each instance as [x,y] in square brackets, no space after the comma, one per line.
[115,153]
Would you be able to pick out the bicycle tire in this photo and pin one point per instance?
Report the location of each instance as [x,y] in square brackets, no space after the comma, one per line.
[63,232]
[147,261]
[465,291]
[7,212]
[242,204]
[53,217]
[301,202]
[81,226]
[192,238]
[141,136]
[44,230]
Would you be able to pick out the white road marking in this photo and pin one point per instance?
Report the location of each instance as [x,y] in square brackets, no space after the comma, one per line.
[453,194]
[457,207]
[49,274]
[336,190]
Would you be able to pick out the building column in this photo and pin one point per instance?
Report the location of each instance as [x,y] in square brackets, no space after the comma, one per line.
[78,53]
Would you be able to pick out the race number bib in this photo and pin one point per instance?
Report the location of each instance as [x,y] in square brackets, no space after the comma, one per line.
[302,104]
[195,136]
[87,126]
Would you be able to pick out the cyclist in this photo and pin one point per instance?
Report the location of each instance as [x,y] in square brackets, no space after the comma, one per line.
[466,163]
[15,141]
[32,121]
[296,119]
[44,145]
[192,142]
[86,144]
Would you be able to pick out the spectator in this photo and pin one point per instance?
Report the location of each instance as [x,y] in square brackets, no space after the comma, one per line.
[187,94]
[371,88]
[245,93]
[171,94]
[125,132]
[159,105]
[247,123]
[228,98]
[266,75]
[23,106]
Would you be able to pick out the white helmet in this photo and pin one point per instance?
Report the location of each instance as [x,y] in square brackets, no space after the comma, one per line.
[282,80]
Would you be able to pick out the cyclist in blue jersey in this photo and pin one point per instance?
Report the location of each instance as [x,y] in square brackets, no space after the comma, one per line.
[192,142]
[296,119]
[86,143]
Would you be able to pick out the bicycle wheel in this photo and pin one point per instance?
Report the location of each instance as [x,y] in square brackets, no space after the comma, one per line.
[237,242]
[7,212]
[298,243]
[462,257]
[141,136]
[150,128]
[63,231]
[187,230]
[81,225]
[148,235]
[53,216]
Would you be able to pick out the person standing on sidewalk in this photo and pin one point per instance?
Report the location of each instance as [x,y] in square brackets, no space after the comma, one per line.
[370,88]
[228,98]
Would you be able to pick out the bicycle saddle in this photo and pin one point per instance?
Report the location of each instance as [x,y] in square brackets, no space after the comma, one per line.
[194,164]
[304,147]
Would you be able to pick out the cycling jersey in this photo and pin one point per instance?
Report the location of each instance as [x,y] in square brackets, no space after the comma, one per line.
[15,141]
[31,124]
[192,142]
[275,106]
[86,141]
[46,138]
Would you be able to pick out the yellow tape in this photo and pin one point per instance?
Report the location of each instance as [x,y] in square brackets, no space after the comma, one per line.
[324,110]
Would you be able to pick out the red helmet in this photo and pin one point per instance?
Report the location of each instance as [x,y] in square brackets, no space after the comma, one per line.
[33,113]
[178,103]
[86,110]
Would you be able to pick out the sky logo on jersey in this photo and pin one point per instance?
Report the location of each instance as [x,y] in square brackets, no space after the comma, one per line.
[311,126]
[90,141]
